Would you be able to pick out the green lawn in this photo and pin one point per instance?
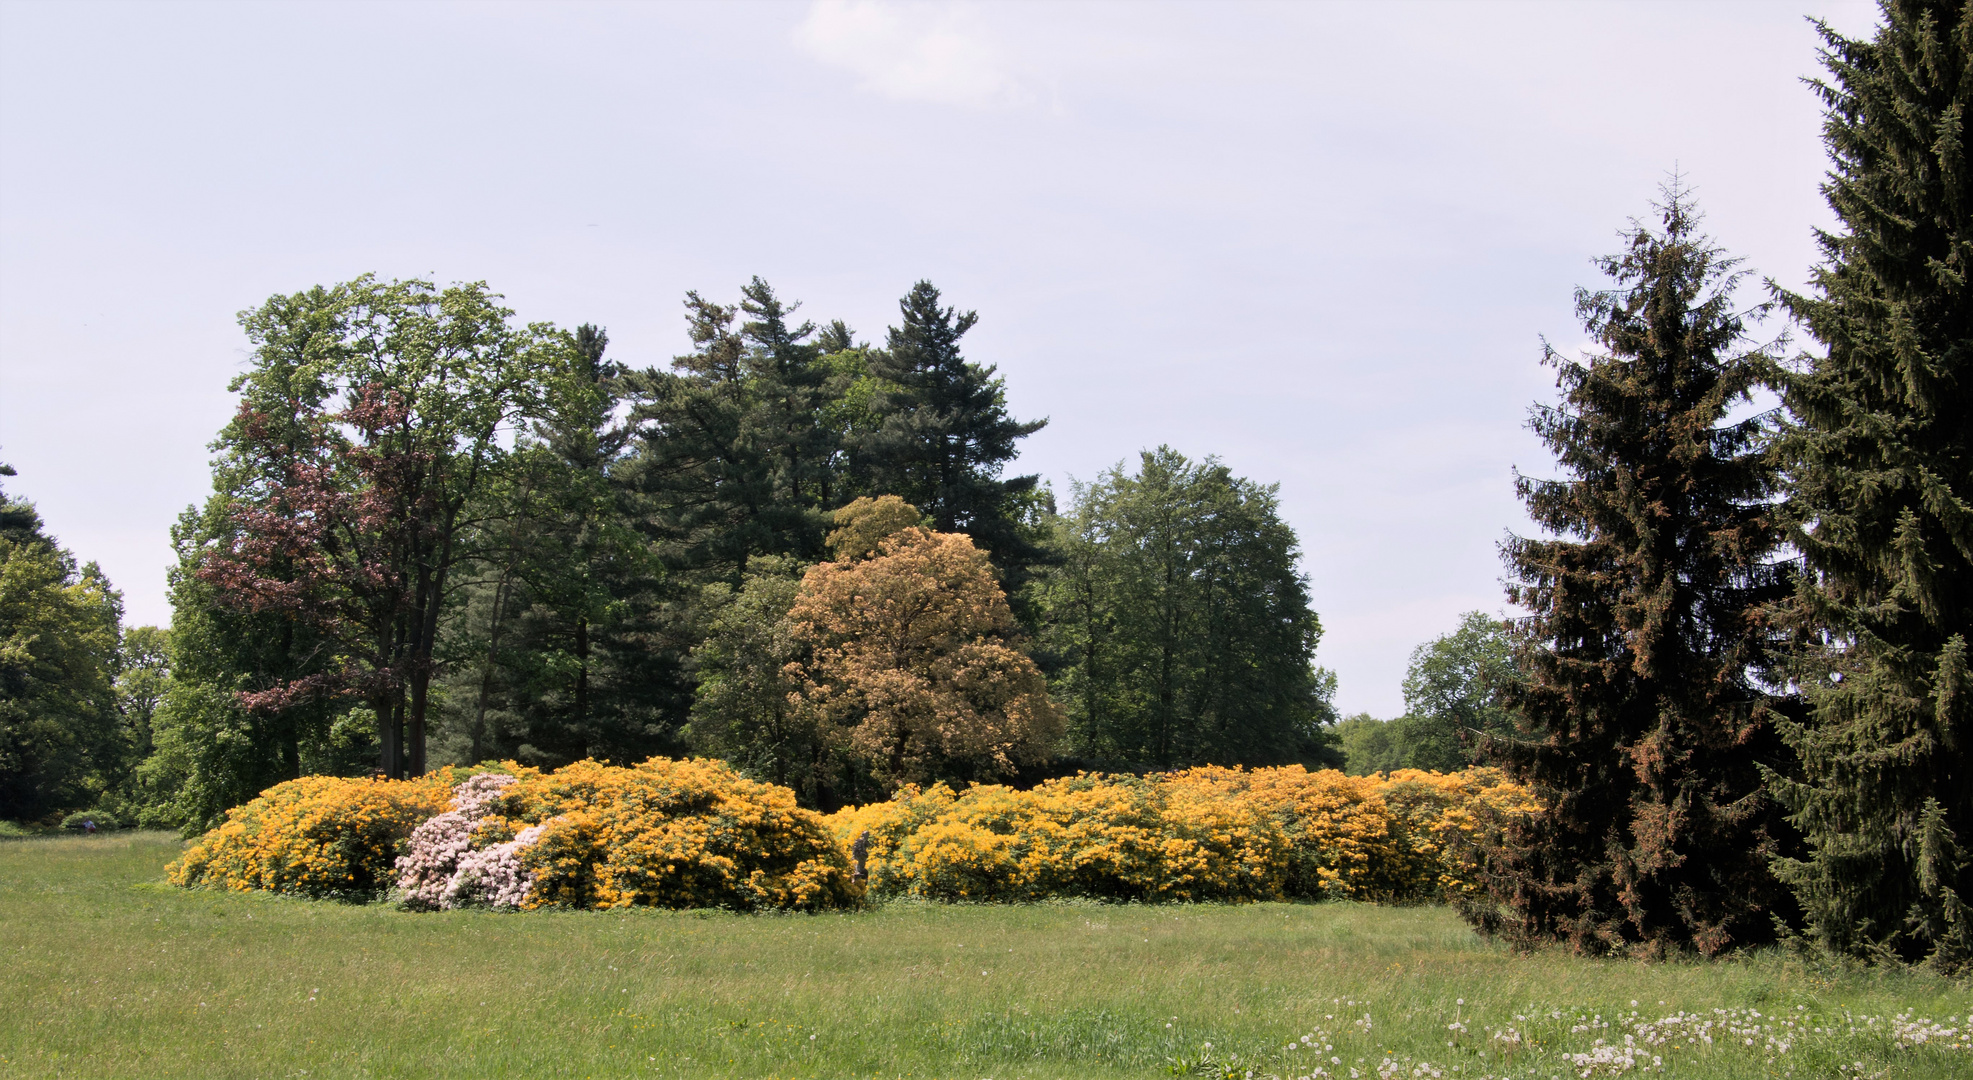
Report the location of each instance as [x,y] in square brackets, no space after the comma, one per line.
[106,972]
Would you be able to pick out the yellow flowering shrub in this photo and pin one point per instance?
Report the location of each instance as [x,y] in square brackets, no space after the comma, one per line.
[319,836]
[890,825]
[1120,837]
[668,833]
[1340,840]
[1448,817]
[1202,834]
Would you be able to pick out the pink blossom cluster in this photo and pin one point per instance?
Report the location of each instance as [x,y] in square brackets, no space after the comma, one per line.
[443,871]
[493,875]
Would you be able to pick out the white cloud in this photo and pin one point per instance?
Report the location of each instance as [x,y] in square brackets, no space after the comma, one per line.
[914,52]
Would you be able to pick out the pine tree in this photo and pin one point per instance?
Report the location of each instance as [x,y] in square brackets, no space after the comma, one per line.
[1643,719]
[735,448]
[790,390]
[1880,455]
[944,434]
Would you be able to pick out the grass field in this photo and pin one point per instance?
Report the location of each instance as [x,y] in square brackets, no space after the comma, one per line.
[106,972]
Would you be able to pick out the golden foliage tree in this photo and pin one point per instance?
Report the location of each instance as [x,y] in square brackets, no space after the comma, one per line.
[912,660]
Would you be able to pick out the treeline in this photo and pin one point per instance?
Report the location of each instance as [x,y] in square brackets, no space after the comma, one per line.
[438,535]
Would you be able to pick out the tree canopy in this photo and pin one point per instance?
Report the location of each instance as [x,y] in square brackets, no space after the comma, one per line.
[59,731]
[1180,623]
[913,658]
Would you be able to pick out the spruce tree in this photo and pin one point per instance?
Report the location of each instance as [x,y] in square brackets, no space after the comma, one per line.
[1643,721]
[944,434]
[1880,455]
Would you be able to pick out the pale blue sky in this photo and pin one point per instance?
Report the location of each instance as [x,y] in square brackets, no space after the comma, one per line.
[1318,240]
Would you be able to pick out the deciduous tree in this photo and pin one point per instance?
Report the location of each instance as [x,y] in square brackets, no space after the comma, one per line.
[912,660]
[372,415]
[1452,694]
[1181,623]
[58,661]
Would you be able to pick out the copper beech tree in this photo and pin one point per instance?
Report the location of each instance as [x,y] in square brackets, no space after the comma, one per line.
[911,655]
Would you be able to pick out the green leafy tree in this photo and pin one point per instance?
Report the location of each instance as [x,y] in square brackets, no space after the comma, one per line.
[1370,745]
[59,734]
[850,411]
[745,710]
[1644,662]
[1451,694]
[1179,623]
[210,751]
[143,674]
[1880,456]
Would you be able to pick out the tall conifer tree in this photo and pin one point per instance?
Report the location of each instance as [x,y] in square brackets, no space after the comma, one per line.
[734,447]
[1881,459]
[1643,718]
[944,434]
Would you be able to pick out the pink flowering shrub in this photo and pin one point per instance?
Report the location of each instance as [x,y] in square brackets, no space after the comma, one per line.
[443,871]
[494,875]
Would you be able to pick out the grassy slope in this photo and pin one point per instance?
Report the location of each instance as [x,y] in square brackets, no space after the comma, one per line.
[105,973]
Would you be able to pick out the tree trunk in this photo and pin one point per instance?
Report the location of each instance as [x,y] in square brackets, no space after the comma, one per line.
[415,729]
[486,670]
[582,676]
[390,730]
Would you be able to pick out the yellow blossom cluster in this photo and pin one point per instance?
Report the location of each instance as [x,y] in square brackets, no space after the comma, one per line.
[678,834]
[319,836]
[1202,834]
[1448,817]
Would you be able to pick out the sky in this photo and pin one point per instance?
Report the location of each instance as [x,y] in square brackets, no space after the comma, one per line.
[1322,241]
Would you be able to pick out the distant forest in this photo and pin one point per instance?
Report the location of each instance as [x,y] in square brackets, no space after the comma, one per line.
[1740,688]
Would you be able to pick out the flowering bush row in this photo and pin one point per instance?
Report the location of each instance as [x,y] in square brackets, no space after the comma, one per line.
[697,834]
[665,833]
[1202,834]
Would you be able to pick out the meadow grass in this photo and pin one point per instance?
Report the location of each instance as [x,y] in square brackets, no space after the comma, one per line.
[107,972]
